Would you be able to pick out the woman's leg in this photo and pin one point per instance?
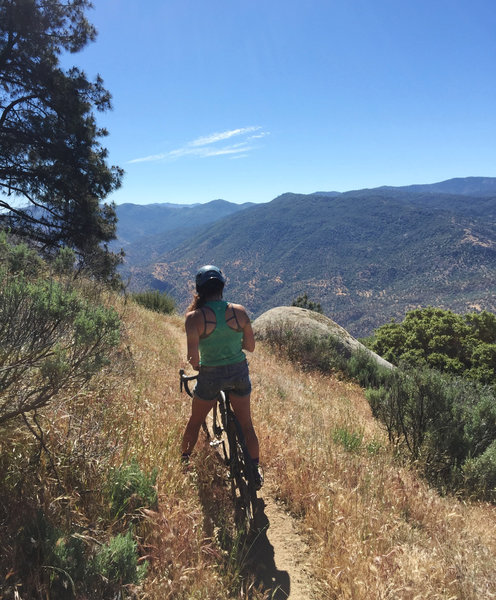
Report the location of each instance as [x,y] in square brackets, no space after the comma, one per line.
[199,411]
[241,408]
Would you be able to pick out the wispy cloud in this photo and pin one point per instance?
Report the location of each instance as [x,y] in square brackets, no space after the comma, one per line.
[225,135]
[211,145]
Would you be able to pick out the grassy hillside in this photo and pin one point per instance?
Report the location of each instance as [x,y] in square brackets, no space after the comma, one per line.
[374,529]
[365,257]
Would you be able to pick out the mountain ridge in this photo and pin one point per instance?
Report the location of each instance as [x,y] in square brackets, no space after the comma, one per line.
[136,221]
[366,256]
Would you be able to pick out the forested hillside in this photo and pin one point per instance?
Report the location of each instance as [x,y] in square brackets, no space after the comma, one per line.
[365,256]
[149,224]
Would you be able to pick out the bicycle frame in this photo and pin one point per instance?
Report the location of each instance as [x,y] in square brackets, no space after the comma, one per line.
[236,456]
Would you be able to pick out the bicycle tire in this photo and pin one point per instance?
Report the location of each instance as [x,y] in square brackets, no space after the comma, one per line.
[212,424]
[242,476]
[214,431]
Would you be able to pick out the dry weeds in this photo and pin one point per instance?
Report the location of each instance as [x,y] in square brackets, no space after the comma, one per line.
[375,530]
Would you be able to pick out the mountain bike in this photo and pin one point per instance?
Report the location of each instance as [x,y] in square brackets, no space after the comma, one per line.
[225,435]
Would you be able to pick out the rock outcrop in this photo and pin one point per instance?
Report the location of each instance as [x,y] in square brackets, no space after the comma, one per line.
[313,323]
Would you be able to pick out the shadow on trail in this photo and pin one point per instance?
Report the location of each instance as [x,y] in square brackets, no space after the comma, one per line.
[259,563]
[255,554]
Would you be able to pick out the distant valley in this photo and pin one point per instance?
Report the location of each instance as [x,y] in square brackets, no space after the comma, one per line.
[367,255]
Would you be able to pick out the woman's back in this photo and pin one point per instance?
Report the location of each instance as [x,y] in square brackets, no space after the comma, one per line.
[222,335]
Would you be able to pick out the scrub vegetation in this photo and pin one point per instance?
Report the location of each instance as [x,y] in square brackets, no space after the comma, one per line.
[94,501]
[155,300]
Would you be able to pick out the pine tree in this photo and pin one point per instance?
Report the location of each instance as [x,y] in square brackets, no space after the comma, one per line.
[53,170]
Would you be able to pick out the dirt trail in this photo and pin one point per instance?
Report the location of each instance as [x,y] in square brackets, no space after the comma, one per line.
[279,558]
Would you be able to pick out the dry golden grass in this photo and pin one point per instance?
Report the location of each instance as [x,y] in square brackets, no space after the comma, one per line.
[374,529]
[179,539]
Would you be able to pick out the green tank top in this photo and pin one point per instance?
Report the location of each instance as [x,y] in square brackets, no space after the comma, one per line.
[223,345]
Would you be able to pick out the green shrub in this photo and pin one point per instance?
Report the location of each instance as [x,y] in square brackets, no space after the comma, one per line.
[350,440]
[310,351]
[445,425]
[61,556]
[71,568]
[430,337]
[19,258]
[64,261]
[129,488]
[326,354]
[117,561]
[304,302]
[52,339]
[154,300]
[479,417]
[480,474]
[365,369]
[417,408]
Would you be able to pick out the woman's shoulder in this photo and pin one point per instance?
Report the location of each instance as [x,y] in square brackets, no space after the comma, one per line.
[192,315]
[240,313]
[239,307]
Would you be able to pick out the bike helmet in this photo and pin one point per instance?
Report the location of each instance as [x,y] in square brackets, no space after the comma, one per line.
[207,273]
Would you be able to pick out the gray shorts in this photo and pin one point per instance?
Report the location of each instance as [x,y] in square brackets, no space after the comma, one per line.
[233,378]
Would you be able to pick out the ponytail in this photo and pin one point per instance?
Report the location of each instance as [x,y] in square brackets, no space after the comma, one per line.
[196,303]
[210,289]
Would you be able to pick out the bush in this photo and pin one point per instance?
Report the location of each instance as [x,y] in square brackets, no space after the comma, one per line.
[61,555]
[154,300]
[64,261]
[129,489]
[363,368]
[51,339]
[444,424]
[462,345]
[19,258]
[117,561]
[480,474]
[326,354]
[304,302]
[351,441]
[52,336]
[308,350]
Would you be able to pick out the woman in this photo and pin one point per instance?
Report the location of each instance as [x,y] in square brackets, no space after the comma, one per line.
[217,332]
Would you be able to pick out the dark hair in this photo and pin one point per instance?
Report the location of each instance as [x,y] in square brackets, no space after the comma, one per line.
[212,287]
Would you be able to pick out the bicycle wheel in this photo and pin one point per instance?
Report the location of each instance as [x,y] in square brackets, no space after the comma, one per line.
[242,476]
[214,431]
[212,424]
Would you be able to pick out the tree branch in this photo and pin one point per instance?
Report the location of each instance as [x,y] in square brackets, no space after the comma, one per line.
[10,106]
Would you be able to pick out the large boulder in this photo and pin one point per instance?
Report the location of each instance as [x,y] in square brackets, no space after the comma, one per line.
[309,322]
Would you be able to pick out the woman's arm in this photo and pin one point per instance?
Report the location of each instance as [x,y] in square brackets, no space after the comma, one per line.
[193,340]
[248,336]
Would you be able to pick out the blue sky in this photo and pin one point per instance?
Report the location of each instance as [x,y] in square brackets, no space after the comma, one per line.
[247,99]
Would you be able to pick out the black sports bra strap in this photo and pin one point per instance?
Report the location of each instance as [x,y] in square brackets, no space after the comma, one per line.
[233,317]
[206,322]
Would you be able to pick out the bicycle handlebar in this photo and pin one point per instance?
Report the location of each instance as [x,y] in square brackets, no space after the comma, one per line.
[184,381]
